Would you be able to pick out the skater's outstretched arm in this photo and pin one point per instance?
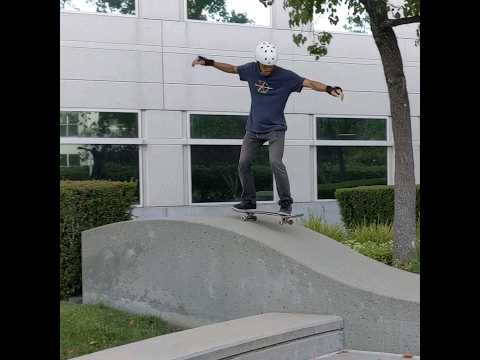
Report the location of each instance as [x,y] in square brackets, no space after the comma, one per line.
[228,68]
[318,86]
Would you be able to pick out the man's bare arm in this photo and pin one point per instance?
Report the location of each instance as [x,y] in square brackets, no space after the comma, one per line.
[315,85]
[228,68]
[319,86]
[232,69]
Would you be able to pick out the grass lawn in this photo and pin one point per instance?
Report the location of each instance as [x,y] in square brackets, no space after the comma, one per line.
[88,328]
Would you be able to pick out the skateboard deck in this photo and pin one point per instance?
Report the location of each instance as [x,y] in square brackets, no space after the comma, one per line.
[251,215]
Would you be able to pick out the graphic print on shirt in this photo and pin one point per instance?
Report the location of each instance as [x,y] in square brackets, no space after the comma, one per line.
[262,87]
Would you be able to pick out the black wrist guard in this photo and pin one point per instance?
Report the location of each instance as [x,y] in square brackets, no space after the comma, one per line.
[208,62]
[331,89]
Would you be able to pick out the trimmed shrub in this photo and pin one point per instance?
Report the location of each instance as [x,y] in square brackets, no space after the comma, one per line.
[374,240]
[369,205]
[380,251]
[74,173]
[327,191]
[335,231]
[85,205]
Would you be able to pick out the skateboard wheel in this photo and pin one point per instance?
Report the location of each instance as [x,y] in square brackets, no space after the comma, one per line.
[290,221]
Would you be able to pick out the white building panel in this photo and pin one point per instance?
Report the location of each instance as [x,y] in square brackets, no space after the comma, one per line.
[354,103]
[299,127]
[416,157]
[298,162]
[99,64]
[110,95]
[164,9]
[160,125]
[164,185]
[207,98]
[207,35]
[415,128]
[109,29]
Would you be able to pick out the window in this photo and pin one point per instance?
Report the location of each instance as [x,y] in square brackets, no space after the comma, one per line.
[114,7]
[74,160]
[68,124]
[350,153]
[351,129]
[100,146]
[230,11]
[215,143]
[68,159]
[63,160]
[217,126]
[98,124]
[349,166]
[100,162]
[215,174]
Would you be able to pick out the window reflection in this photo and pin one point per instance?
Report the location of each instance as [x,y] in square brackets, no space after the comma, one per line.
[251,12]
[351,129]
[98,124]
[349,166]
[99,162]
[203,126]
[115,7]
[215,174]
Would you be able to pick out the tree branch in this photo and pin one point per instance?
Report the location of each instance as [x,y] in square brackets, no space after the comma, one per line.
[402,21]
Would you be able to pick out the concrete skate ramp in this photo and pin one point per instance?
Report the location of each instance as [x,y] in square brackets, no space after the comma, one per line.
[197,271]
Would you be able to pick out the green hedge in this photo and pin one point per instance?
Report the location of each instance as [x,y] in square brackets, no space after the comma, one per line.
[369,204]
[74,173]
[85,205]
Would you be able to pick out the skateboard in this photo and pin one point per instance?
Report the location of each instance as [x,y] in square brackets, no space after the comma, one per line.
[250,215]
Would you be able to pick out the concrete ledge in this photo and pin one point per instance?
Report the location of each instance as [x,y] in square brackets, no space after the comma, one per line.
[198,271]
[266,336]
[302,349]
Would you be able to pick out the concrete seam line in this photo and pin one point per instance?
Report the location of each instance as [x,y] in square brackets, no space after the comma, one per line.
[331,332]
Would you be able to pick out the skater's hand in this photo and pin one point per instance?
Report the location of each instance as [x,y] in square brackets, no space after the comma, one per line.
[335,91]
[198,61]
[339,93]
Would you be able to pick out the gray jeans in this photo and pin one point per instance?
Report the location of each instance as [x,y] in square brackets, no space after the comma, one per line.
[251,144]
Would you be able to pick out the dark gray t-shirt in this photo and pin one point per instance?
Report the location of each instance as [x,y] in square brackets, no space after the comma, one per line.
[269,96]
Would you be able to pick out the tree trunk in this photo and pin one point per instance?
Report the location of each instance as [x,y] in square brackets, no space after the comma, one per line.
[405,191]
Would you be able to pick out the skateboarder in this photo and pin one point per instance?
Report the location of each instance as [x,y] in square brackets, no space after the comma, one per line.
[270,86]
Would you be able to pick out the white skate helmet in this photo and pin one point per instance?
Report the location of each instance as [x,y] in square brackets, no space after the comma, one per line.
[266,53]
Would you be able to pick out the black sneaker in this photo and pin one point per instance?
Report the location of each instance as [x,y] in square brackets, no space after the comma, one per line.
[245,205]
[285,207]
